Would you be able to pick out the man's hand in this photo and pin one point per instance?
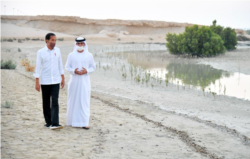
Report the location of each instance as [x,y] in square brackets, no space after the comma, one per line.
[82,72]
[77,72]
[37,85]
[62,82]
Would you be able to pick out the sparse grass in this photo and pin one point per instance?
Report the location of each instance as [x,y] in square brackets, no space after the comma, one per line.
[214,93]
[27,38]
[124,75]
[8,64]
[203,90]
[138,78]
[60,39]
[35,39]
[7,104]
[225,89]
[152,85]
[9,40]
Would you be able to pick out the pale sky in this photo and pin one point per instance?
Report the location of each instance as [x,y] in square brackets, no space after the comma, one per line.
[235,14]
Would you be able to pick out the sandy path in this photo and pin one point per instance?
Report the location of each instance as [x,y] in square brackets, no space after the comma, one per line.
[213,139]
[113,133]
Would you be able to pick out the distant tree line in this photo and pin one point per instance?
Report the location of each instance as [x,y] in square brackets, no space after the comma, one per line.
[202,41]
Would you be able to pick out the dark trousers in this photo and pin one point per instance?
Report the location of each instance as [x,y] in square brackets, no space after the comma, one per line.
[50,94]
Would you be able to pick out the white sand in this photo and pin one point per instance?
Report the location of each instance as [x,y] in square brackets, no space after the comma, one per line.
[138,136]
[127,120]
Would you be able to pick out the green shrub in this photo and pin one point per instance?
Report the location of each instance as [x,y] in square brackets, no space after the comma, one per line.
[195,41]
[217,29]
[7,104]
[8,64]
[230,39]
[203,41]
[228,35]
[19,50]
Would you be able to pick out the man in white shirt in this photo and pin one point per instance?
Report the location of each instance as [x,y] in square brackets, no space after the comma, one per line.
[49,69]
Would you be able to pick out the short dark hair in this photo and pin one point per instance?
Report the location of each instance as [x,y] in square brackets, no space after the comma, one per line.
[47,37]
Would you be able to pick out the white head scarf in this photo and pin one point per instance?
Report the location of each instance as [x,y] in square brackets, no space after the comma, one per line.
[85,47]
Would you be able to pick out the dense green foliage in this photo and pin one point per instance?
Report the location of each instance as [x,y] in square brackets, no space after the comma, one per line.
[202,41]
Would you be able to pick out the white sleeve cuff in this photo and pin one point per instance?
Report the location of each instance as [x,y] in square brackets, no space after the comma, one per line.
[36,75]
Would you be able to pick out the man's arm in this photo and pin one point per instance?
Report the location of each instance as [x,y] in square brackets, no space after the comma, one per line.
[37,71]
[37,85]
[68,66]
[63,81]
[92,66]
[61,64]
[90,69]
[61,70]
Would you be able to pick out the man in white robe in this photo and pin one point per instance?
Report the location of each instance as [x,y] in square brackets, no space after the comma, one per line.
[80,64]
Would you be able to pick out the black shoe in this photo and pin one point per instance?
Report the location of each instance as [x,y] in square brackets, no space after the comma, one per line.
[85,128]
[53,127]
[47,125]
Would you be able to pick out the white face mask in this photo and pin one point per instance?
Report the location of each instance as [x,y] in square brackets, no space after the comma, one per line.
[79,48]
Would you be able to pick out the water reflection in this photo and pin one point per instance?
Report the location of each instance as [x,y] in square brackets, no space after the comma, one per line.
[193,74]
[185,73]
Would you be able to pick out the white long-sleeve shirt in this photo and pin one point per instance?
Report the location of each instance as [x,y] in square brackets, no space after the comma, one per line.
[49,66]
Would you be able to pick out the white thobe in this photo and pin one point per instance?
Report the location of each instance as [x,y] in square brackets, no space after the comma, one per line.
[79,88]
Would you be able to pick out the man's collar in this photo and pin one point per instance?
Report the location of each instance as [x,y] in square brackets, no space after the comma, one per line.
[48,48]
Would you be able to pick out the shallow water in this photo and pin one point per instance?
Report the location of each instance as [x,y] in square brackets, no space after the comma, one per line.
[185,73]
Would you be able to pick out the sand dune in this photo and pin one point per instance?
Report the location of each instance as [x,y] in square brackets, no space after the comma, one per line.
[11,30]
[78,26]
[109,30]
